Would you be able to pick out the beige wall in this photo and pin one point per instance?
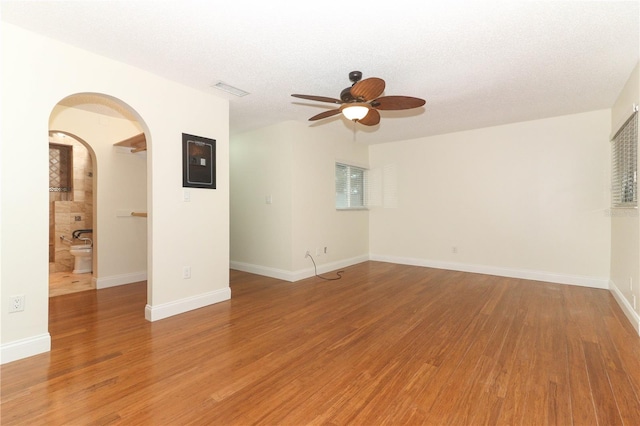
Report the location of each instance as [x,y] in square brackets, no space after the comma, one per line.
[316,222]
[625,226]
[179,233]
[261,165]
[526,199]
[295,165]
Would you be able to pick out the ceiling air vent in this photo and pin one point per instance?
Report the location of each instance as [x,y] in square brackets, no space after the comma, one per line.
[230,89]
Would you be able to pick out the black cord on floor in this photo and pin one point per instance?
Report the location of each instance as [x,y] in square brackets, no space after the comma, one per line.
[315,269]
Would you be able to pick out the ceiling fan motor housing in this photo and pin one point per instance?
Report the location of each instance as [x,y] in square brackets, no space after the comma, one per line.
[346,95]
[355,76]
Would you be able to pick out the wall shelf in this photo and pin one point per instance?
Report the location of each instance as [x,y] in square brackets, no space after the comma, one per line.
[137,143]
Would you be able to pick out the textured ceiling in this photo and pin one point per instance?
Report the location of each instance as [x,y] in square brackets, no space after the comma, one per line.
[477,63]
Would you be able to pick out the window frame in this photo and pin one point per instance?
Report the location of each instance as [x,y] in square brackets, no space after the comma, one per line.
[347,190]
[624,164]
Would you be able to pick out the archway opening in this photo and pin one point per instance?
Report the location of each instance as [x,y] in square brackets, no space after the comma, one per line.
[98,194]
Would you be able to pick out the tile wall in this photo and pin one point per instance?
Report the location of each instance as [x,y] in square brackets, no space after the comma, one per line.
[73,210]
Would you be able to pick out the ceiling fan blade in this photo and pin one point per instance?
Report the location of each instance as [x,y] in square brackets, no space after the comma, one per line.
[318,98]
[325,114]
[368,89]
[397,102]
[371,119]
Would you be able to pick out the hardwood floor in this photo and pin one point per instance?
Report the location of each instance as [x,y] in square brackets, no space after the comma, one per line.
[386,344]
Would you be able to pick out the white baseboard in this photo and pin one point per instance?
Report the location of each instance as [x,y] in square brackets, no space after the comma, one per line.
[165,310]
[24,348]
[626,307]
[328,267]
[265,271]
[594,282]
[116,280]
[293,276]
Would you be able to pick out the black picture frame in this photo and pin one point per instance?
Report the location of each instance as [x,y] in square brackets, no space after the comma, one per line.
[198,162]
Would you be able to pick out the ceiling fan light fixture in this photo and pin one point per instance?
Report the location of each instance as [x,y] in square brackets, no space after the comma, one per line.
[356,111]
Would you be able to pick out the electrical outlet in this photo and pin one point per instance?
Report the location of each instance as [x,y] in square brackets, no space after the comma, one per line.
[326,250]
[17,303]
[454,249]
[186,272]
[307,254]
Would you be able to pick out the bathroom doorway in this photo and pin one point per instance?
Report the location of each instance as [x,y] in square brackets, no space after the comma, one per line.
[96,184]
[71,213]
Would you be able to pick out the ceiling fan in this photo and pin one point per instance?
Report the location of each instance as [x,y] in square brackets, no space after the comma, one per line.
[361,102]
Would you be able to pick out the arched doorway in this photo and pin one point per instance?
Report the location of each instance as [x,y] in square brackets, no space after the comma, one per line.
[119,184]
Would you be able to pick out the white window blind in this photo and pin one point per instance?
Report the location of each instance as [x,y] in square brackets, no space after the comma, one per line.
[350,187]
[624,167]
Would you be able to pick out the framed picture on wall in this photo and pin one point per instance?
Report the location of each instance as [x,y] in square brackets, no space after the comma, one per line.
[198,162]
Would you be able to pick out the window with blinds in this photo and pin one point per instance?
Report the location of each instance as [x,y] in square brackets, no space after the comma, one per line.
[624,167]
[350,187]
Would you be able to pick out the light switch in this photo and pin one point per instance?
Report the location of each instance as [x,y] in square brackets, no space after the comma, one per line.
[186,195]
[268,199]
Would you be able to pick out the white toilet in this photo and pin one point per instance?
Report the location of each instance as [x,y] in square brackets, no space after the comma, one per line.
[83,254]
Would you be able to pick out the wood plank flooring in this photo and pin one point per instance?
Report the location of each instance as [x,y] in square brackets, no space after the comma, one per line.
[385,345]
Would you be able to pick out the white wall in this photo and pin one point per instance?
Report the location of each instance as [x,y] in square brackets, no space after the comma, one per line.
[120,244]
[625,226]
[526,199]
[316,222]
[37,73]
[295,165]
[261,166]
